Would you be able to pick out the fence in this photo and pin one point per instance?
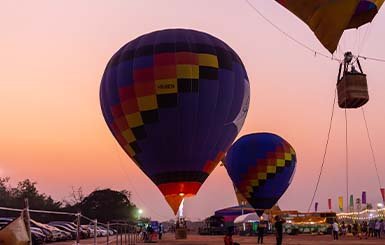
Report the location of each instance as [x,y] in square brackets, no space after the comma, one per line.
[125,233]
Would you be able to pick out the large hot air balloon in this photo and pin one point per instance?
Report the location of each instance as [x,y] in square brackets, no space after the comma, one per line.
[329,19]
[175,100]
[261,166]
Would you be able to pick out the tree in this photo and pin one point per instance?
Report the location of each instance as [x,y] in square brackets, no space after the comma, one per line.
[106,205]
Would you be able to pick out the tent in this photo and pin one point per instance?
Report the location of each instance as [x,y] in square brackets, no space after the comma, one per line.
[250,217]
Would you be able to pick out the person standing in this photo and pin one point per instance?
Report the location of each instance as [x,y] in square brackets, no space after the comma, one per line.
[160,231]
[365,229]
[371,228]
[279,229]
[336,229]
[377,229]
[261,229]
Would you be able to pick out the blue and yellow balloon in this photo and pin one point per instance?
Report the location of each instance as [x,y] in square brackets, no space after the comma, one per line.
[261,166]
[175,100]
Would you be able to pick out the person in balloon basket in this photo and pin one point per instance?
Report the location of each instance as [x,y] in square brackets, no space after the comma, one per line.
[261,229]
[336,230]
[279,229]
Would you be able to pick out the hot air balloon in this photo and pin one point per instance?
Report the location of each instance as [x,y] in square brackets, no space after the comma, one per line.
[328,20]
[261,166]
[175,100]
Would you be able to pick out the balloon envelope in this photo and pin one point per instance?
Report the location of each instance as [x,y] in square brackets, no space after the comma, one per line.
[328,19]
[175,100]
[261,166]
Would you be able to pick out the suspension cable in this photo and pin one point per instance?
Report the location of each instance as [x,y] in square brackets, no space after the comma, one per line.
[371,147]
[325,151]
[346,160]
[370,58]
[314,51]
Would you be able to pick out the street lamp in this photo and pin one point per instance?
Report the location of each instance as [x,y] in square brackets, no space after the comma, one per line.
[140,211]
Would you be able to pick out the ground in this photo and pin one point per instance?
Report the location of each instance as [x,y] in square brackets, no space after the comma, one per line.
[270,239]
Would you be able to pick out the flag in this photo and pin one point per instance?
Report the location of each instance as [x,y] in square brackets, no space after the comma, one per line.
[351,201]
[15,233]
[316,206]
[330,203]
[383,194]
[341,203]
[363,199]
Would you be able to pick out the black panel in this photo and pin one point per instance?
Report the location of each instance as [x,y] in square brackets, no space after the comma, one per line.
[280,169]
[287,163]
[139,132]
[165,48]
[134,145]
[114,60]
[127,55]
[195,85]
[209,73]
[225,59]
[182,47]
[149,116]
[144,51]
[167,100]
[205,49]
[184,85]
[188,85]
[180,176]
[270,175]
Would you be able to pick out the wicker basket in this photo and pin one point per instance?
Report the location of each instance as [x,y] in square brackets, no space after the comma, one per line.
[181,233]
[352,90]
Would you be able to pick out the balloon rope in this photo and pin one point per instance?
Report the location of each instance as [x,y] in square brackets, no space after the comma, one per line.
[325,151]
[346,159]
[370,58]
[315,52]
[371,147]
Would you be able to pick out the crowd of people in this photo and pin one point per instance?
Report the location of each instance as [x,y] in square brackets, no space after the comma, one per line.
[278,225]
[362,230]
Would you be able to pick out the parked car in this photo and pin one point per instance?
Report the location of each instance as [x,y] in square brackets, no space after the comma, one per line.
[5,221]
[84,233]
[53,234]
[73,232]
[38,236]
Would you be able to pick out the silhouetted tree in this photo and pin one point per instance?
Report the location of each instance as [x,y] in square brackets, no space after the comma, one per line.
[106,205]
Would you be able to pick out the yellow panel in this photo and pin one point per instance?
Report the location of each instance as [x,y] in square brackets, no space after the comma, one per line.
[208,60]
[134,120]
[271,169]
[262,176]
[288,156]
[128,135]
[166,86]
[187,71]
[147,103]
[129,150]
[280,163]
[254,182]
[327,19]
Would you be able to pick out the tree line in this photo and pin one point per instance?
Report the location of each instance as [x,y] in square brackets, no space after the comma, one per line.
[105,205]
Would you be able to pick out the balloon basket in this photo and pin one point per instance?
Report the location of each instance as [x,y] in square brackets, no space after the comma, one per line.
[181,233]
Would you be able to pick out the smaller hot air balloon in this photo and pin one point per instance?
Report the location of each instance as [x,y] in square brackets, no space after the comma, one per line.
[261,166]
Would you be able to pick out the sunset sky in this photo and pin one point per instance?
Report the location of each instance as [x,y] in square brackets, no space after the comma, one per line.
[53,54]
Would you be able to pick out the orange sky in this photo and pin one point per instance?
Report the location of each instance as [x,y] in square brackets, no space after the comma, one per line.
[51,127]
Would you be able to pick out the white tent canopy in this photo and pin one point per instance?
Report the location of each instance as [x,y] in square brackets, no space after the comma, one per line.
[250,217]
